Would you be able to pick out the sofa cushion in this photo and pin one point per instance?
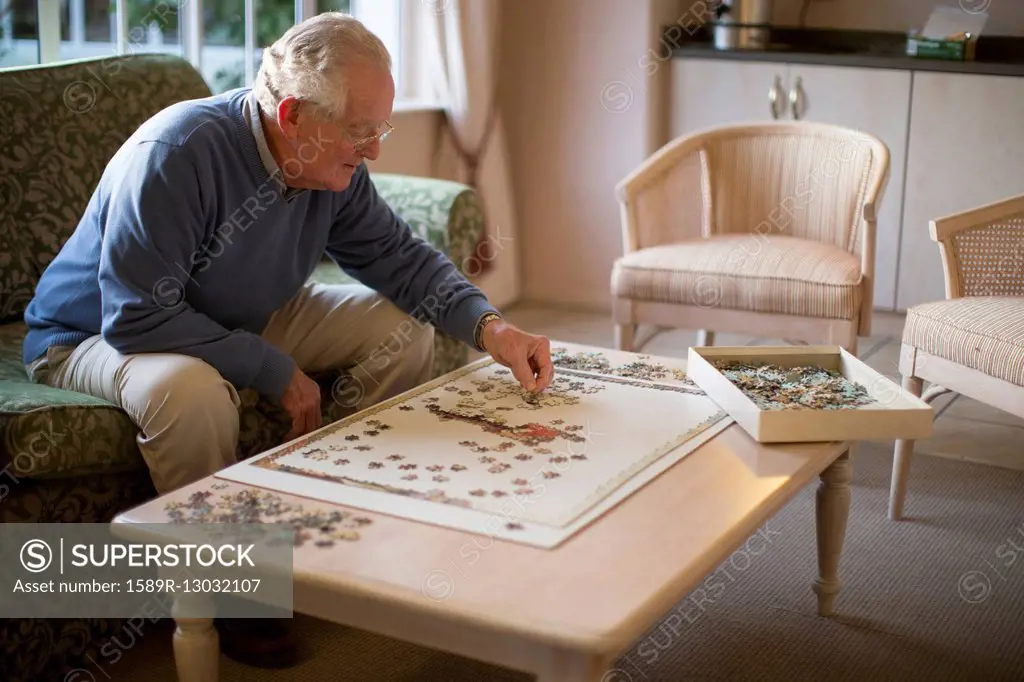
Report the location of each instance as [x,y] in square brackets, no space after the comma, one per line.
[49,431]
[61,124]
[781,274]
[985,333]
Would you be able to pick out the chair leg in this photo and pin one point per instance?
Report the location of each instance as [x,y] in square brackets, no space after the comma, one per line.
[904,449]
[624,336]
[851,345]
[845,336]
[705,337]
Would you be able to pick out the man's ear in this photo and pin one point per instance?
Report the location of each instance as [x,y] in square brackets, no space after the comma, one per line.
[288,116]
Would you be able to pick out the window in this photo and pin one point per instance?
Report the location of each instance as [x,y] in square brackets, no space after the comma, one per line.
[19,33]
[224,39]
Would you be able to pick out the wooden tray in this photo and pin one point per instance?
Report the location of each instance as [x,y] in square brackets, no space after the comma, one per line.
[895,414]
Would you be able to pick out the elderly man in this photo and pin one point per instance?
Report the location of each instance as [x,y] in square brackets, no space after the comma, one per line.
[186,277]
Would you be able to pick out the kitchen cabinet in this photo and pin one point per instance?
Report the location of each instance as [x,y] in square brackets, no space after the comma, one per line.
[709,92]
[966,149]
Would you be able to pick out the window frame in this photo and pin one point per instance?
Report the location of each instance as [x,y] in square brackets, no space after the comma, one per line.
[387,18]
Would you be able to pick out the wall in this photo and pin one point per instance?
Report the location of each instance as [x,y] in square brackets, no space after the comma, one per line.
[580,89]
[1006,17]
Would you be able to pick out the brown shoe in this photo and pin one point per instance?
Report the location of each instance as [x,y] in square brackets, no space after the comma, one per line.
[259,642]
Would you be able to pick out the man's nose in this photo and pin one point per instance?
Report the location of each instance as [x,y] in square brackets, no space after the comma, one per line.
[371,151]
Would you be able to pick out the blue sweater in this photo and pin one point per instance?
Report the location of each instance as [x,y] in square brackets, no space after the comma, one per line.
[188,246]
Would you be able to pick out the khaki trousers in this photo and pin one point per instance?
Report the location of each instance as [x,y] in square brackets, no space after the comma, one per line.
[188,414]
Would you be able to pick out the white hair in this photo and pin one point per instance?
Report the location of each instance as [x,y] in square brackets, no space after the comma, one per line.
[310,60]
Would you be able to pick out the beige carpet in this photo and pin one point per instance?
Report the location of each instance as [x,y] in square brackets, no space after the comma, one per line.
[937,597]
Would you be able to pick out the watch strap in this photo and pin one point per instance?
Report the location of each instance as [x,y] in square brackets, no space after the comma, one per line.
[484,320]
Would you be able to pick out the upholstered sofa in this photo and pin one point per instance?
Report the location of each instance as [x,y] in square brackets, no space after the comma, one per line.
[68,457]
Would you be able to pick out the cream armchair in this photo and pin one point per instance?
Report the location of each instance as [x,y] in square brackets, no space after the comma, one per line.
[972,342]
[765,229]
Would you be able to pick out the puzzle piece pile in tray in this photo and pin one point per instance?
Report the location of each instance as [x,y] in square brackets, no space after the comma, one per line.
[773,387]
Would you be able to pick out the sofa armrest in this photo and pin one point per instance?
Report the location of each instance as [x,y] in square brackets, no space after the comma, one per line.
[447,214]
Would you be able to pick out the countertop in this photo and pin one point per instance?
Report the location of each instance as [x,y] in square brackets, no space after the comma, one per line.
[996,55]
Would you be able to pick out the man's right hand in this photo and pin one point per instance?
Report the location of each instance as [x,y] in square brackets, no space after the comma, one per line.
[302,401]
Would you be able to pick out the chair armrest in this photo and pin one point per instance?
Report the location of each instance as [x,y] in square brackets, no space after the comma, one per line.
[656,166]
[869,230]
[448,215]
[980,217]
[653,199]
[981,249]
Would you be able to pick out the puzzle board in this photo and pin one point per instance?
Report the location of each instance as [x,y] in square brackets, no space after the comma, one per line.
[473,451]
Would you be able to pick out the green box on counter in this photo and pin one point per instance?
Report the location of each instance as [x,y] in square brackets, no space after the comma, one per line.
[953,50]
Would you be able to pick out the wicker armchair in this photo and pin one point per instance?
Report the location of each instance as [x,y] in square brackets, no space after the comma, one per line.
[765,229]
[971,343]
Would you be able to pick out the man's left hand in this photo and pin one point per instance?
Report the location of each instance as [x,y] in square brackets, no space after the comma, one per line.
[527,355]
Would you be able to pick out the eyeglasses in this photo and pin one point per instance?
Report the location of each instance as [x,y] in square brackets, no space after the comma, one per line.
[382,134]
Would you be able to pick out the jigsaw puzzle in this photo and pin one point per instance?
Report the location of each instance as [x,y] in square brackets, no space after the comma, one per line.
[474,451]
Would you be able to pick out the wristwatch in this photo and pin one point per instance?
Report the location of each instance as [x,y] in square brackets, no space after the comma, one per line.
[478,335]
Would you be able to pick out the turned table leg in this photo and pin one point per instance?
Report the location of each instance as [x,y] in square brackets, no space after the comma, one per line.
[196,643]
[832,510]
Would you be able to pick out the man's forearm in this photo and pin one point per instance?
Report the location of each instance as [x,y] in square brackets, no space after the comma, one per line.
[377,248]
[423,282]
[453,304]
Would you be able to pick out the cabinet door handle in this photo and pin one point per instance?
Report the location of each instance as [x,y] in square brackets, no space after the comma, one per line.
[796,99]
[774,98]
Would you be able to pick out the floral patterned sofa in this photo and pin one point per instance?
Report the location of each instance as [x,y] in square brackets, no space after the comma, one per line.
[68,457]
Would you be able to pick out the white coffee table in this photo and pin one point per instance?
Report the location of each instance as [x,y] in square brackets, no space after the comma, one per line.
[563,614]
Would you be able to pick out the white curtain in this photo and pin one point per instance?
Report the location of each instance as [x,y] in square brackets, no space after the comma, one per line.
[465,47]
